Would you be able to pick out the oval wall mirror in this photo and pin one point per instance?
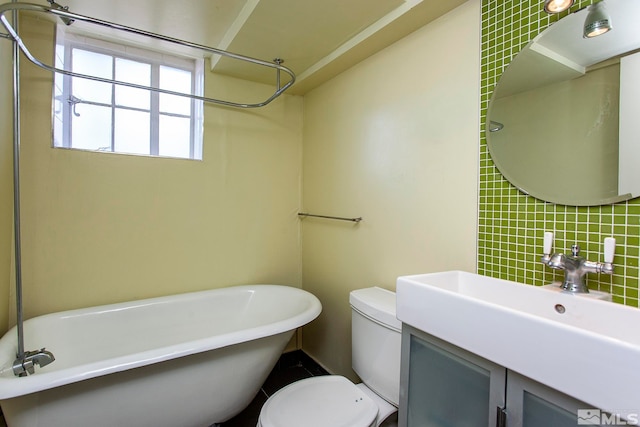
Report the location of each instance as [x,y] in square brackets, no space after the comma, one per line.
[564,120]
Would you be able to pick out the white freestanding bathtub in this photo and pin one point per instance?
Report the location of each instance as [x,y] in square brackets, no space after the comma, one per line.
[192,359]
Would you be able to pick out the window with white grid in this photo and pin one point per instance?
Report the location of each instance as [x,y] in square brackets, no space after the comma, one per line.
[99,116]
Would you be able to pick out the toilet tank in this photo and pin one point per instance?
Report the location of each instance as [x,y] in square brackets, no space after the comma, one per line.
[375,341]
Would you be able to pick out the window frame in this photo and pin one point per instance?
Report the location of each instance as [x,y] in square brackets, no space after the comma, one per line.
[63,84]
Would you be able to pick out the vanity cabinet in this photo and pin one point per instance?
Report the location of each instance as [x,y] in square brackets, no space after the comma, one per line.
[443,385]
[532,404]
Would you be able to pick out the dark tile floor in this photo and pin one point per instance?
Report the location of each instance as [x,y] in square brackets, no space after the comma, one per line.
[291,367]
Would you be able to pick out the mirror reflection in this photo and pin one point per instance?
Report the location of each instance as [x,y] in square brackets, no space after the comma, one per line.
[564,122]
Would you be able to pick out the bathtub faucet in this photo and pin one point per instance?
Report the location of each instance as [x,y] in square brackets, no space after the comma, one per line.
[26,365]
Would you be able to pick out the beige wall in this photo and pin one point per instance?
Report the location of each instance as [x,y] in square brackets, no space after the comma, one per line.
[394,140]
[6,179]
[100,228]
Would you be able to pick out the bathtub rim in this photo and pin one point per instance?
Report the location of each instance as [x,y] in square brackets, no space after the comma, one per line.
[12,386]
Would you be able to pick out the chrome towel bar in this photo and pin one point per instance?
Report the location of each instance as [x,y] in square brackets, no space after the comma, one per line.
[331,217]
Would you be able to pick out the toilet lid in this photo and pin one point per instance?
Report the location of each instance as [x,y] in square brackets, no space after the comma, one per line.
[324,401]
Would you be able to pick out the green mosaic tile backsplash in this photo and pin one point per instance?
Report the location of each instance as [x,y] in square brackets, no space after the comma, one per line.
[511,223]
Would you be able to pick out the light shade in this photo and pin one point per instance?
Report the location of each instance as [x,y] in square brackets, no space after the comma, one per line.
[557,6]
[597,22]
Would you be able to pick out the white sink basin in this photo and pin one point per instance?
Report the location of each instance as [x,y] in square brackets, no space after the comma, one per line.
[586,348]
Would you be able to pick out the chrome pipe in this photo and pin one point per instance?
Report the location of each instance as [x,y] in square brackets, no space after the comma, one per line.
[16,192]
[74,16]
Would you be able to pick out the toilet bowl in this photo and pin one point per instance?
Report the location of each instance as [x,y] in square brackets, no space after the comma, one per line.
[333,400]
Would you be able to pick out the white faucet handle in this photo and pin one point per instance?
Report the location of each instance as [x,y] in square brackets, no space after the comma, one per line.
[609,249]
[548,242]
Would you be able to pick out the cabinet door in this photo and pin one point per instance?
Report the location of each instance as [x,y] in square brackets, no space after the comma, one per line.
[445,386]
[531,404]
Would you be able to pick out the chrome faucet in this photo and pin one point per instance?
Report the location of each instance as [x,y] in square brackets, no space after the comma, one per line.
[576,267]
[25,365]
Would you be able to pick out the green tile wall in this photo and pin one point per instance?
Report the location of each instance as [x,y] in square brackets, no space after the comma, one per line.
[511,224]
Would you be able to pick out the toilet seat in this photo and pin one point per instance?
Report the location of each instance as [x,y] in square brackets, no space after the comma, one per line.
[324,401]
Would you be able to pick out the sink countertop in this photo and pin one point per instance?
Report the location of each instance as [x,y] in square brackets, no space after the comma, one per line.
[586,348]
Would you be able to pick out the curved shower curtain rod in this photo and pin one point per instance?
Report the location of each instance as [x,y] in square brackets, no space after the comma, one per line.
[66,15]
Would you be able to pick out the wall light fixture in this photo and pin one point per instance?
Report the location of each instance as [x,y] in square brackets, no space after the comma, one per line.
[598,21]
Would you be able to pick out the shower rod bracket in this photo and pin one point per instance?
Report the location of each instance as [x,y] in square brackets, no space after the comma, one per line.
[278,61]
[67,21]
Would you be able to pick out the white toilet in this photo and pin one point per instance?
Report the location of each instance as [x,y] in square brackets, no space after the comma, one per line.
[333,400]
